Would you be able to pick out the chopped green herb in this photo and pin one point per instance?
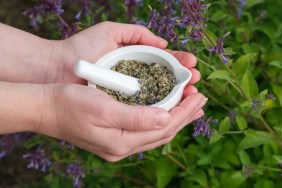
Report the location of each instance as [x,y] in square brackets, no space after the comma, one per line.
[155,80]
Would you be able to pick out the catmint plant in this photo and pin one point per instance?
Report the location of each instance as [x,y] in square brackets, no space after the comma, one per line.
[75,171]
[237,82]
[202,127]
[38,159]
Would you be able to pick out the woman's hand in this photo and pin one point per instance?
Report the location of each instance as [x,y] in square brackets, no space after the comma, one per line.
[94,42]
[94,121]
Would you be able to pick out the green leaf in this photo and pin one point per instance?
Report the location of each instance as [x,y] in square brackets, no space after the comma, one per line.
[229,51]
[278,158]
[241,122]
[249,85]
[232,179]
[218,15]
[254,139]
[251,3]
[224,125]
[165,171]
[244,157]
[215,137]
[220,74]
[263,183]
[271,56]
[200,177]
[240,66]
[166,149]
[277,90]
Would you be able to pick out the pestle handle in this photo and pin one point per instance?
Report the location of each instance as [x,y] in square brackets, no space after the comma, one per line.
[106,78]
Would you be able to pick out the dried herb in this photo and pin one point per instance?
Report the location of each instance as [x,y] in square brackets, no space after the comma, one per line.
[155,80]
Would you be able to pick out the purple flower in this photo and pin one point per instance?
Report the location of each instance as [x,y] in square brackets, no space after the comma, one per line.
[85,10]
[7,145]
[270,96]
[255,104]
[38,159]
[218,48]
[193,13]
[75,171]
[183,44]
[140,156]
[165,22]
[10,141]
[54,6]
[164,25]
[66,144]
[35,15]
[68,30]
[197,35]
[43,8]
[202,127]
[247,170]
[131,5]
[242,5]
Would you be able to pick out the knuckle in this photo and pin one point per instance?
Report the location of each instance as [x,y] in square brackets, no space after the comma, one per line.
[138,119]
[111,158]
[166,140]
[170,131]
[141,27]
[118,150]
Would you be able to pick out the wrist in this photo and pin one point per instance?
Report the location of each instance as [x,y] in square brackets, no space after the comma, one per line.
[28,58]
[21,107]
[47,123]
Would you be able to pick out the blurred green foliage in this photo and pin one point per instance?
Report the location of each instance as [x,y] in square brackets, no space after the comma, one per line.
[246,148]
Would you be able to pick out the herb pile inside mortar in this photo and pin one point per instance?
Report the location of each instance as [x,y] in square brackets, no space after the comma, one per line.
[155,80]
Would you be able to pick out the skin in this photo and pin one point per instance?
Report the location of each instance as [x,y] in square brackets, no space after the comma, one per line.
[40,93]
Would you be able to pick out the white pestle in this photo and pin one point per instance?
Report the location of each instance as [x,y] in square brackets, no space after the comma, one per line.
[106,78]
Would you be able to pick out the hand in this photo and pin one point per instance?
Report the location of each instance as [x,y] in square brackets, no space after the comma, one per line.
[92,120]
[189,61]
[94,42]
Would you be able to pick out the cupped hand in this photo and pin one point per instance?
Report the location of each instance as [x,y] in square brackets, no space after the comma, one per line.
[94,42]
[92,120]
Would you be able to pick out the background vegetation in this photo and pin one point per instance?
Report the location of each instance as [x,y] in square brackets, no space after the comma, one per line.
[241,78]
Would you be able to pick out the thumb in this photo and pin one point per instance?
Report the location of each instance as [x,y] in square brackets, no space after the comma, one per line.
[130,34]
[140,118]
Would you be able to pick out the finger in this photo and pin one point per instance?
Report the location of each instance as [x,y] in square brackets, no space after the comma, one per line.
[190,119]
[139,118]
[127,141]
[188,90]
[188,60]
[196,76]
[114,158]
[137,34]
[197,115]
[164,141]
[178,115]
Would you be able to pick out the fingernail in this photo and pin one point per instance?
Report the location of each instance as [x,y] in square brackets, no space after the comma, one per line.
[163,40]
[162,118]
[204,101]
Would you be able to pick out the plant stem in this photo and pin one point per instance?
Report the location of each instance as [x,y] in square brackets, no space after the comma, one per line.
[219,103]
[265,124]
[203,62]
[125,165]
[62,20]
[134,180]
[268,168]
[178,163]
[234,132]
[238,86]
